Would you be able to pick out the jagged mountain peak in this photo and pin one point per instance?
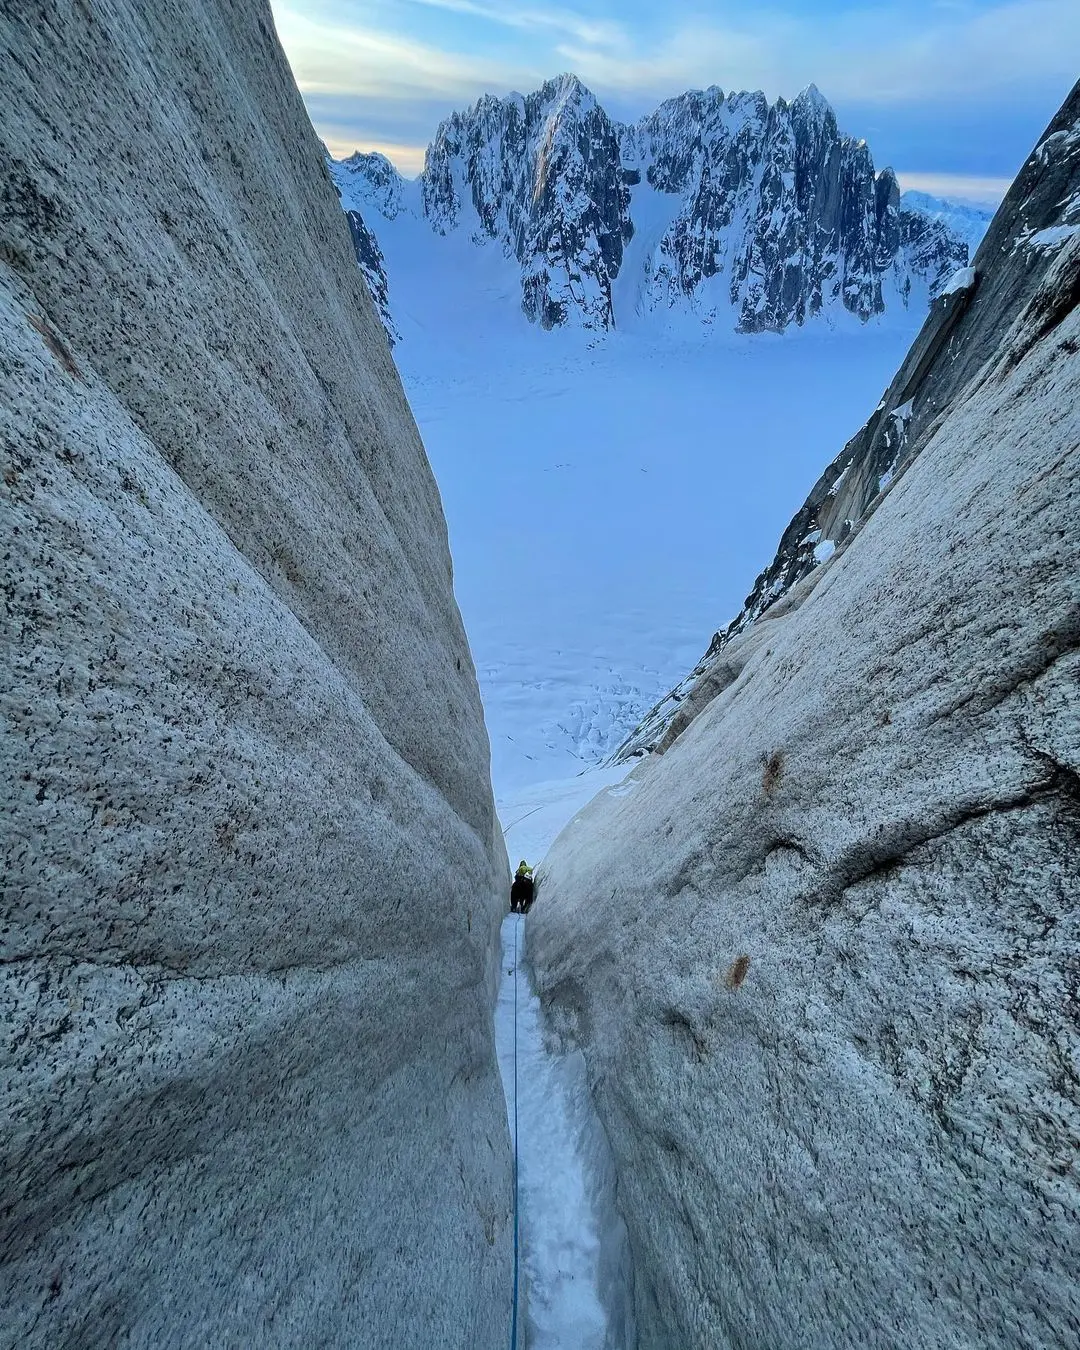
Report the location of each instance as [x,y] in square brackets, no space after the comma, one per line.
[770,215]
[367,178]
[567,89]
[813,99]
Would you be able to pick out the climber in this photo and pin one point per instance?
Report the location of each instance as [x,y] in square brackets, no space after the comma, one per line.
[521,892]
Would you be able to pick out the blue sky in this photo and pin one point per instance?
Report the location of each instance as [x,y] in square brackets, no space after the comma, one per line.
[952,93]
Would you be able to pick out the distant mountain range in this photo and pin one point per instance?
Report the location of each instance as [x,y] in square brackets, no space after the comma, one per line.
[750,215]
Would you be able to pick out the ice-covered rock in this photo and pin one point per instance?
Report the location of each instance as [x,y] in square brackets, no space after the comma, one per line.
[774,215]
[821,961]
[251,873]
[541,176]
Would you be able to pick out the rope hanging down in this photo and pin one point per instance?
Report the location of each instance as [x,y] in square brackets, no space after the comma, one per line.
[514,1315]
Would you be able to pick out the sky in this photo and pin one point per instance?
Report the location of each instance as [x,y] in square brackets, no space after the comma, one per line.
[951,93]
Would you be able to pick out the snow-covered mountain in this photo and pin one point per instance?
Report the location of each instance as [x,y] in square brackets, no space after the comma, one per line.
[964,219]
[1040,214]
[370,183]
[752,215]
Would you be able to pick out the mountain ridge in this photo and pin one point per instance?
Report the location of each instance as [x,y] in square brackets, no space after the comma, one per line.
[1040,214]
[770,216]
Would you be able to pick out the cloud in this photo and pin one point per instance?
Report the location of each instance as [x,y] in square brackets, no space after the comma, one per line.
[342,141]
[948,60]
[966,187]
[889,55]
[881,55]
[596,32]
[337,58]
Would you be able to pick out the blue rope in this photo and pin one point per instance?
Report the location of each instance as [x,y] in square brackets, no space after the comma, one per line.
[514,1316]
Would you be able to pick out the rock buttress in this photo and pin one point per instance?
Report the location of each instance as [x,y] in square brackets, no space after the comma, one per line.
[251,873]
[821,957]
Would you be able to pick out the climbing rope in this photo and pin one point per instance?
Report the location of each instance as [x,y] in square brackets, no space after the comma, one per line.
[514,1315]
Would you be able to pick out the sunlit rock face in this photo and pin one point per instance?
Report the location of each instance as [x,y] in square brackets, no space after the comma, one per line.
[820,953]
[251,872]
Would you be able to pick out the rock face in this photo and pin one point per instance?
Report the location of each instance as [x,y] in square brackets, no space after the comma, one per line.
[1037,219]
[769,216]
[247,1078]
[542,176]
[821,954]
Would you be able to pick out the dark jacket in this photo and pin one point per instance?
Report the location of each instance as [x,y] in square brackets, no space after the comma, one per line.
[521,892]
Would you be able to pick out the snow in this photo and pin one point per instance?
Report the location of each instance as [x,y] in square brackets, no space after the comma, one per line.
[574,1257]
[961,280]
[652,212]
[1052,237]
[901,414]
[824,551]
[609,498]
[534,814]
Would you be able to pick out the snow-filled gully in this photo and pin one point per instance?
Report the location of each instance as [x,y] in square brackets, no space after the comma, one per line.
[575,1271]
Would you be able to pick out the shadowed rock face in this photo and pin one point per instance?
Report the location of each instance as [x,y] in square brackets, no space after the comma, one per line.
[964,329]
[370,260]
[820,955]
[251,872]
